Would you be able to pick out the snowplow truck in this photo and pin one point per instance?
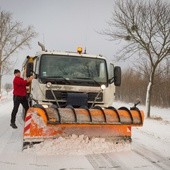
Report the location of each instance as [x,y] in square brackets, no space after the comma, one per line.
[73,93]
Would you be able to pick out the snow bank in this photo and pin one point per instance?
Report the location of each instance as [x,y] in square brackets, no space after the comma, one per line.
[4,96]
[77,145]
[158,129]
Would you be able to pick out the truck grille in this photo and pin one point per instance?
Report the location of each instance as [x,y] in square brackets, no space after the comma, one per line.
[61,95]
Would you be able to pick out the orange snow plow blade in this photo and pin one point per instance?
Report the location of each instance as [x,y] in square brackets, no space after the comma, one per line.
[41,124]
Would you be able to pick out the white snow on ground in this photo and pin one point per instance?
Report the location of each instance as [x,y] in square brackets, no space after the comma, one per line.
[150,148]
[5,96]
[77,145]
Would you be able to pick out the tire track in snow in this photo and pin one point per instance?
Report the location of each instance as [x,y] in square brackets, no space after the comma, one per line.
[152,148]
[151,135]
[15,141]
[5,131]
[153,157]
[102,161]
[10,136]
[4,138]
[5,126]
[5,113]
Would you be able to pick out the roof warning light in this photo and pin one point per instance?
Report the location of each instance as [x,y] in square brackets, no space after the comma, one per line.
[79,50]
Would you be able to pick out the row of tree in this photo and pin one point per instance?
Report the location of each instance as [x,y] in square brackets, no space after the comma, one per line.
[134,87]
[143,27]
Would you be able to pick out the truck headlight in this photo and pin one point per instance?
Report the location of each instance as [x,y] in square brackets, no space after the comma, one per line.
[102,86]
[48,85]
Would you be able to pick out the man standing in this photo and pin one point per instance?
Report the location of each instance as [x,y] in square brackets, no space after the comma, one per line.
[19,95]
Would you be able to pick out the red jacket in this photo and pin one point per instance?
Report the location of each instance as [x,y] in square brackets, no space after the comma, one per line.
[19,85]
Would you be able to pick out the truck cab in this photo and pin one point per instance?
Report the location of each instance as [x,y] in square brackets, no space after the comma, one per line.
[72,78]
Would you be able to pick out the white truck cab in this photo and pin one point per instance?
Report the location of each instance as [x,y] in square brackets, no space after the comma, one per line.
[72,78]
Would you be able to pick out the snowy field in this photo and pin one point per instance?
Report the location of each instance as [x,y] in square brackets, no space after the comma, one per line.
[150,147]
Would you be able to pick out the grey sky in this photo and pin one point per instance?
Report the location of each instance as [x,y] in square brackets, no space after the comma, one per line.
[64,24]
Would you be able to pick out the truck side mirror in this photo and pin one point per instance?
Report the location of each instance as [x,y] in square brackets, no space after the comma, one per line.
[117,76]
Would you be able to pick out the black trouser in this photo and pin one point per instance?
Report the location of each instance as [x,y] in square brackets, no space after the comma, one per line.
[17,100]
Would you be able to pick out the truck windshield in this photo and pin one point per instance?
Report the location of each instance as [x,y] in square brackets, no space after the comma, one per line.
[73,69]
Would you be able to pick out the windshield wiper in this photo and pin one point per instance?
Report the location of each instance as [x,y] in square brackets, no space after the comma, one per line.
[59,77]
[88,78]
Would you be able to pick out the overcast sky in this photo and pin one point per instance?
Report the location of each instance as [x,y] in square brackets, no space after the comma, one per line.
[64,25]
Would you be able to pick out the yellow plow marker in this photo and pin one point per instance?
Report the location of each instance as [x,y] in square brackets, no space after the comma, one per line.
[41,123]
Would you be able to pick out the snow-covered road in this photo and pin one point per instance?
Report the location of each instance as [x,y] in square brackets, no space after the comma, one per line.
[150,149]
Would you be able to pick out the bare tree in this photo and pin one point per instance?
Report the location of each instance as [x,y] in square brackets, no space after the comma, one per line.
[145,25]
[13,37]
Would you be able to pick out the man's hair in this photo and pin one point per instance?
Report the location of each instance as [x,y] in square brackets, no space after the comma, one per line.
[16,71]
